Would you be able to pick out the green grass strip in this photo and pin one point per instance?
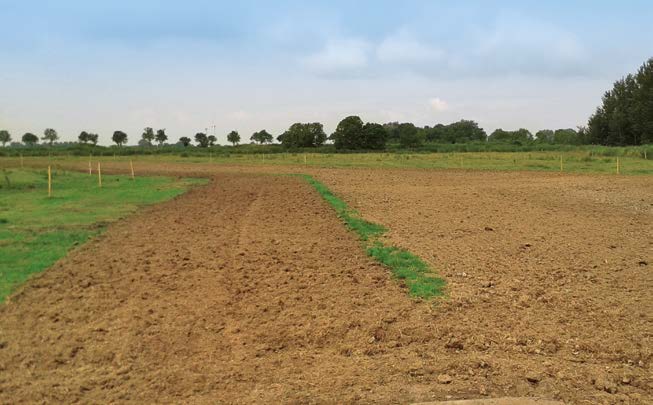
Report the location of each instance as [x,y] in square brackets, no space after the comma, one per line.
[418,276]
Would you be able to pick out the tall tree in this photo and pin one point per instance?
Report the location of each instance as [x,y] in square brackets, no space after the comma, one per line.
[148,135]
[409,136]
[261,137]
[544,136]
[50,135]
[212,140]
[83,137]
[201,139]
[184,140]
[119,137]
[233,137]
[5,137]
[30,139]
[518,137]
[92,138]
[161,136]
[349,134]
[303,135]
[625,116]
[374,136]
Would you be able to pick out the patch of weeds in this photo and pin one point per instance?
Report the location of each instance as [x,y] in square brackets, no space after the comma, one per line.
[418,276]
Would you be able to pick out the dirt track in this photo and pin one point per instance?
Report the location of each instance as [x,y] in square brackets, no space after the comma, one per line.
[250,290]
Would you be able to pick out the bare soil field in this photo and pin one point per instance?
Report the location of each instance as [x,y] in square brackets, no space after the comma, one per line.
[251,290]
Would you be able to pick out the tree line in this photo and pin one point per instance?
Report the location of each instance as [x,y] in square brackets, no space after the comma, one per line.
[350,134]
[624,118]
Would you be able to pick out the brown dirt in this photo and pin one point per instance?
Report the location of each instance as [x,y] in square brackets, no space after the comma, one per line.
[250,290]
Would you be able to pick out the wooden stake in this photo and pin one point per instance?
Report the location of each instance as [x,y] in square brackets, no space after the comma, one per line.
[49,181]
[618,167]
[304,158]
[90,168]
[131,167]
[99,175]
[561,167]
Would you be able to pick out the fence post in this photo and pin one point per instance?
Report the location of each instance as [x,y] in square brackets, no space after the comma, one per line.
[618,166]
[561,167]
[90,168]
[131,166]
[99,175]
[49,181]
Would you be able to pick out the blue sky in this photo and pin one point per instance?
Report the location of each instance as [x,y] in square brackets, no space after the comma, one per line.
[184,66]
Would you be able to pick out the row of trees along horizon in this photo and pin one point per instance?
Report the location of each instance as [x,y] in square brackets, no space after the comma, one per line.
[624,118]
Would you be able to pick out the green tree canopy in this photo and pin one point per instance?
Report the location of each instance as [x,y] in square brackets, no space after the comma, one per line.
[184,140]
[119,138]
[374,136]
[50,135]
[30,139]
[148,135]
[544,136]
[161,136]
[303,135]
[212,140]
[83,137]
[352,134]
[261,137]
[349,134]
[518,137]
[233,137]
[92,138]
[625,116]
[409,136]
[202,140]
[456,132]
[5,137]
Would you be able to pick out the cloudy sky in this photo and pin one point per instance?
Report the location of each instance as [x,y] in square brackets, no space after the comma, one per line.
[188,65]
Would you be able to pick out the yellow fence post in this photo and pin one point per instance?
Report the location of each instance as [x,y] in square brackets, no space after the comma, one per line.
[131,167]
[618,166]
[561,167]
[90,168]
[49,181]
[99,175]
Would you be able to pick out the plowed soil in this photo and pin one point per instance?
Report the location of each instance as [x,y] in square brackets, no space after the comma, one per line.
[250,290]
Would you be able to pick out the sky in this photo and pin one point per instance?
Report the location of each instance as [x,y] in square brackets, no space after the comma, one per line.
[185,66]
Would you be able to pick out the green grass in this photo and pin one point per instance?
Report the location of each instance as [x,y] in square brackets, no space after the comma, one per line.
[420,279]
[366,230]
[594,160]
[37,230]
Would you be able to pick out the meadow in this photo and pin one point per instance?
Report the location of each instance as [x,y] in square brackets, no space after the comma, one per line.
[577,160]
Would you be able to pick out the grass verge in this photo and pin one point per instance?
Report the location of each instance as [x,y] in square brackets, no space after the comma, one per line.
[418,276]
[37,230]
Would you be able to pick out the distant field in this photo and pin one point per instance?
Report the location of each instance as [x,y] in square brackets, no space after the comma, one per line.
[578,161]
[36,230]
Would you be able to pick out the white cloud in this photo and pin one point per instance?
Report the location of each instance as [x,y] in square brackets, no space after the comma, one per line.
[340,56]
[517,43]
[438,105]
[404,48]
